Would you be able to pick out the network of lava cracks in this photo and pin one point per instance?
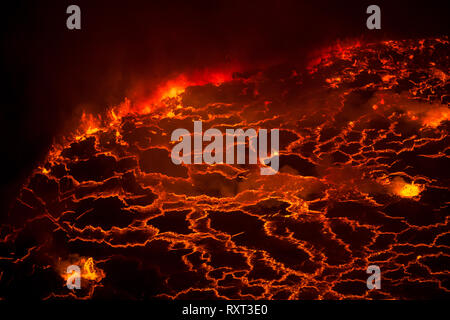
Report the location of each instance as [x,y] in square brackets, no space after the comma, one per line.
[363,180]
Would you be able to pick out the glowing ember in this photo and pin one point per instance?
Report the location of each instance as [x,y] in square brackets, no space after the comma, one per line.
[88,270]
[407,190]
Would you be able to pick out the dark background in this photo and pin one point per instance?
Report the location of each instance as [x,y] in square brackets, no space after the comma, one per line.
[51,73]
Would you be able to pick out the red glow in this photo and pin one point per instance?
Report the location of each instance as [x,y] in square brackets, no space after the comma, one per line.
[176,86]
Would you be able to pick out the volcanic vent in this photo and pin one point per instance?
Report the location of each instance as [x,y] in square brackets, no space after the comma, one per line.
[364,179]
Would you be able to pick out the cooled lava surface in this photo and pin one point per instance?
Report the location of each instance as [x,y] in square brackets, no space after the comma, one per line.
[363,180]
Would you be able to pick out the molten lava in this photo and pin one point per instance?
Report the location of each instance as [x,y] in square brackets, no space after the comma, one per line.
[363,180]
